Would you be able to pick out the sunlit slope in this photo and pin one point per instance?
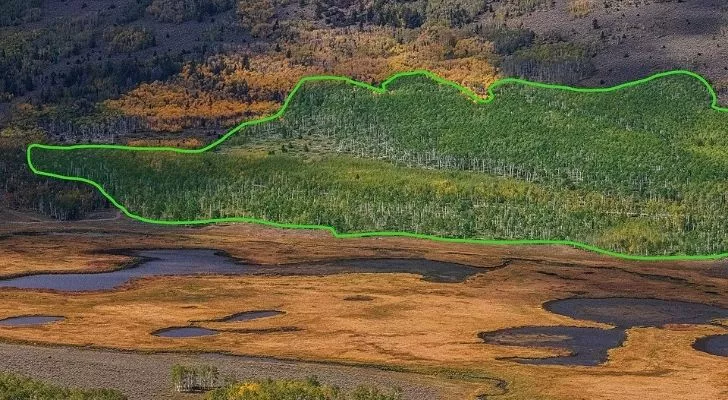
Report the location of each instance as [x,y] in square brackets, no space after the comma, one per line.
[640,170]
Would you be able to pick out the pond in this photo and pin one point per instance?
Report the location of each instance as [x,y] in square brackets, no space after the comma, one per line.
[250,315]
[586,346]
[716,345]
[184,332]
[626,312]
[154,263]
[589,346]
[30,320]
[200,261]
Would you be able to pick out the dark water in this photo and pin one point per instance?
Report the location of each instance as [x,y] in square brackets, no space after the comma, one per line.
[157,262]
[29,320]
[432,271]
[625,312]
[587,346]
[250,315]
[184,331]
[715,344]
[195,262]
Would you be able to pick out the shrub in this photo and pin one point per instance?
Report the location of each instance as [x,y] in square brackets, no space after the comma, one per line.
[506,41]
[256,16]
[308,389]
[14,387]
[14,12]
[579,8]
[186,10]
[129,39]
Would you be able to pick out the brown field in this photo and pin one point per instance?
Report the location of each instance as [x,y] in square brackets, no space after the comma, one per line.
[411,324]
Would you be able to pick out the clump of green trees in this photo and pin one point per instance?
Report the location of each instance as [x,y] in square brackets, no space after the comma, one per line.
[640,170]
[15,387]
[561,62]
[195,378]
[127,39]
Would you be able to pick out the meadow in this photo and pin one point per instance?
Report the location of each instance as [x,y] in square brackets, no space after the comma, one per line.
[423,334]
[640,170]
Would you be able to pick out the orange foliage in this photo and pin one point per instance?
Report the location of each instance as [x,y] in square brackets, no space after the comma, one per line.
[227,88]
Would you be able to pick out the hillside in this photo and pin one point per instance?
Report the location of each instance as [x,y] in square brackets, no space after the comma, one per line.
[639,170]
[181,72]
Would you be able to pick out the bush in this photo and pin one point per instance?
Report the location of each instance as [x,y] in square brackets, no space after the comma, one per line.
[256,16]
[129,39]
[14,387]
[507,41]
[186,10]
[14,12]
[132,11]
[309,389]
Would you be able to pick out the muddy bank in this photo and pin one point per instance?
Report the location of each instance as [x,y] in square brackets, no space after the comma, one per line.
[147,376]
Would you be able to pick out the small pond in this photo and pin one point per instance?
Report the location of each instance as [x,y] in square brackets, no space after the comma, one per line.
[716,345]
[430,270]
[587,346]
[184,332]
[30,320]
[250,315]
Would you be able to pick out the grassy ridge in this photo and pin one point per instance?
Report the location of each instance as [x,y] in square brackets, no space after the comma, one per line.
[640,170]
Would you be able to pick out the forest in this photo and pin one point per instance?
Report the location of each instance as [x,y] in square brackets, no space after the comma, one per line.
[181,71]
[639,171]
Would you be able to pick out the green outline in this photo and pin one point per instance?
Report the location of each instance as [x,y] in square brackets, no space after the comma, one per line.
[382,89]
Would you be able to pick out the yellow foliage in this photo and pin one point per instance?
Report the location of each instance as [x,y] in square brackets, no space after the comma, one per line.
[227,88]
[248,388]
[579,8]
[635,237]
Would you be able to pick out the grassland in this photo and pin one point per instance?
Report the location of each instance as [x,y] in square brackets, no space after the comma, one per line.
[640,170]
[410,324]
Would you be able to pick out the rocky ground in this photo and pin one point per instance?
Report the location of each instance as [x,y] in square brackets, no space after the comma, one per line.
[147,376]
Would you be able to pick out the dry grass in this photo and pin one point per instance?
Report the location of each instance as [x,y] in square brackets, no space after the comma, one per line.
[410,323]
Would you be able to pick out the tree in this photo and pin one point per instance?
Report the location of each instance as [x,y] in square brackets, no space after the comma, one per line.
[256,16]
